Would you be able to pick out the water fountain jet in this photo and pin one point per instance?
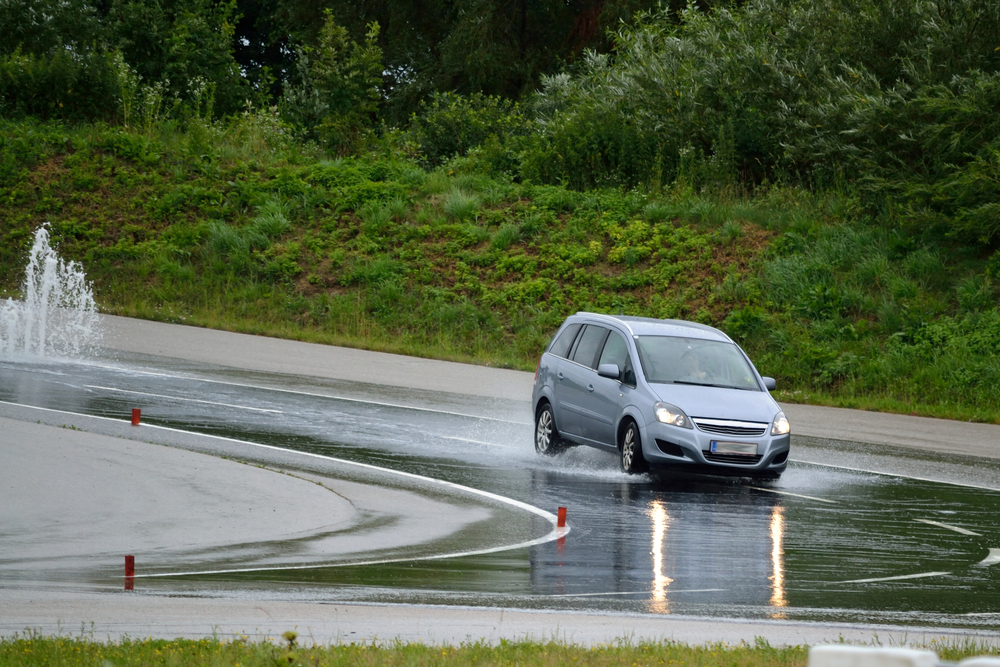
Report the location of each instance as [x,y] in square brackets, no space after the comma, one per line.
[58,316]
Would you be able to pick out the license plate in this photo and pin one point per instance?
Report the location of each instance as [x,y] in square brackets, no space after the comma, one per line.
[744,448]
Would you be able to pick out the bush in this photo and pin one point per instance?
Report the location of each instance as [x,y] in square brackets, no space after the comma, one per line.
[62,85]
[460,206]
[183,50]
[451,125]
[505,236]
[339,89]
[243,251]
[896,97]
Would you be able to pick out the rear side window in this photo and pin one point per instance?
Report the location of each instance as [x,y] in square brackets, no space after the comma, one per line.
[591,341]
[564,341]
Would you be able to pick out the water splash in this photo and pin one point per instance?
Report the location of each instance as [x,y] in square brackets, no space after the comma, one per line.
[58,316]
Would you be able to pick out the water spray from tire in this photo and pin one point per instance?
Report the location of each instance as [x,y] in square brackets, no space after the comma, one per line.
[57,316]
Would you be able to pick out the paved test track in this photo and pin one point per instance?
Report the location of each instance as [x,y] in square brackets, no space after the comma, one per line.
[114,615]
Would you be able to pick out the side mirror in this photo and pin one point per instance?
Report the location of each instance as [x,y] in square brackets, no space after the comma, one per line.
[609,371]
[769,383]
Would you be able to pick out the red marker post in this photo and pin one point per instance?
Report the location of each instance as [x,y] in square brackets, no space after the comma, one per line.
[129,572]
[561,523]
[136,413]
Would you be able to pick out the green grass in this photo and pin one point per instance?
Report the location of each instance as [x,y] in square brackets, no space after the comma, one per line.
[34,650]
[224,227]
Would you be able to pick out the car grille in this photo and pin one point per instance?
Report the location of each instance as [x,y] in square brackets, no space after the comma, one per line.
[729,427]
[738,459]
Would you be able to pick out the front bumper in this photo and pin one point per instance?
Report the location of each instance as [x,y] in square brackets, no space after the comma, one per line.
[664,445]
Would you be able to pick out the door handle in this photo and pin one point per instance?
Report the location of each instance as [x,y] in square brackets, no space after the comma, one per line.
[590,387]
[560,376]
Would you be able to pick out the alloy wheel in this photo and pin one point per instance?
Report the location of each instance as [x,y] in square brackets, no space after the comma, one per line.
[543,432]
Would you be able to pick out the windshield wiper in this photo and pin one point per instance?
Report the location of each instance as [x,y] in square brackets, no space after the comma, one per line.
[709,384]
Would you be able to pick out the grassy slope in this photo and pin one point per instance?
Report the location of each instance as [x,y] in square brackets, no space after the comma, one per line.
[237,229]
[489,268]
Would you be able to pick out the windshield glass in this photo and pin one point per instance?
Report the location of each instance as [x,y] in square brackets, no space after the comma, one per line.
[670,359]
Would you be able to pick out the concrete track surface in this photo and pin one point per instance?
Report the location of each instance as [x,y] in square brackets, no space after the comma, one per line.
[270,354]
[76,502]
[112,617]
[94,483]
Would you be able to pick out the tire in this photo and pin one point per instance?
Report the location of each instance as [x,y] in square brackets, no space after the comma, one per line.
[547,440]
[630,448]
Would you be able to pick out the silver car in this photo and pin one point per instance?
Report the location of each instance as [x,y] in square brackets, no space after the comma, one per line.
[660,393]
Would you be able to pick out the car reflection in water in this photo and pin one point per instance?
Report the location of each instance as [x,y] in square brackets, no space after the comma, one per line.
[716,543]
[753,570]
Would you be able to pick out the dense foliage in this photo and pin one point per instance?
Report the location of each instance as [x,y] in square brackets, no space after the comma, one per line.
[821,178]
[237,226]
[896,97]
[229,51]
[464,46]
[76,59]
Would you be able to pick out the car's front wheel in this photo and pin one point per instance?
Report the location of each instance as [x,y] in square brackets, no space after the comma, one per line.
[630,447]
[547,440]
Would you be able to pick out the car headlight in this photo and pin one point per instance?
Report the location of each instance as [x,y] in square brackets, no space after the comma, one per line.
[671,414]
[780,426]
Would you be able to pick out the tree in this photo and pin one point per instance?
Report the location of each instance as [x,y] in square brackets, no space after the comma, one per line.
[40,27]
[187,44]
[494,47]
[339,91]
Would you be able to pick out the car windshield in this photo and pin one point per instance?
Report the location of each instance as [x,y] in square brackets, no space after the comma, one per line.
[675,360]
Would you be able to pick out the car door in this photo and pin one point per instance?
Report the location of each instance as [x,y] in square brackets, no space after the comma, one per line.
[552,371]
[576,379]
[603,399]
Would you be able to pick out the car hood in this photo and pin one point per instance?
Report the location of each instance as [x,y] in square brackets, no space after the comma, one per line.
[718,403]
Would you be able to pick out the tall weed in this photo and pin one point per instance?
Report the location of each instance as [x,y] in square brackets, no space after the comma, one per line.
[459,205]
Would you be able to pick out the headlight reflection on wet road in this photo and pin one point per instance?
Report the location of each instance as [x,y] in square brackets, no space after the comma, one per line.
[777,559]
[661,521]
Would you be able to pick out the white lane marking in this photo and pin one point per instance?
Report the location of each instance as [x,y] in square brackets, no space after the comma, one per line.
[893,474]
[963,531]
[901,577]
[590,595]
[797,495]
[307,393]
[178,398]
[469,440]
[555,534]
[552,535]
[992,559]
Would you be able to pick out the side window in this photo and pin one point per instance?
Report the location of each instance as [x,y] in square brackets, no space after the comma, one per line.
[590,342]
[628,376]
[616,352]
[564,341]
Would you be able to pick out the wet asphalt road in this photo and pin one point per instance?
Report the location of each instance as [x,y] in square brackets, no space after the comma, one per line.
[830,541]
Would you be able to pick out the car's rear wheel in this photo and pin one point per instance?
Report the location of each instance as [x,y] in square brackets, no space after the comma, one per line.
[630,447]
[547,439]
